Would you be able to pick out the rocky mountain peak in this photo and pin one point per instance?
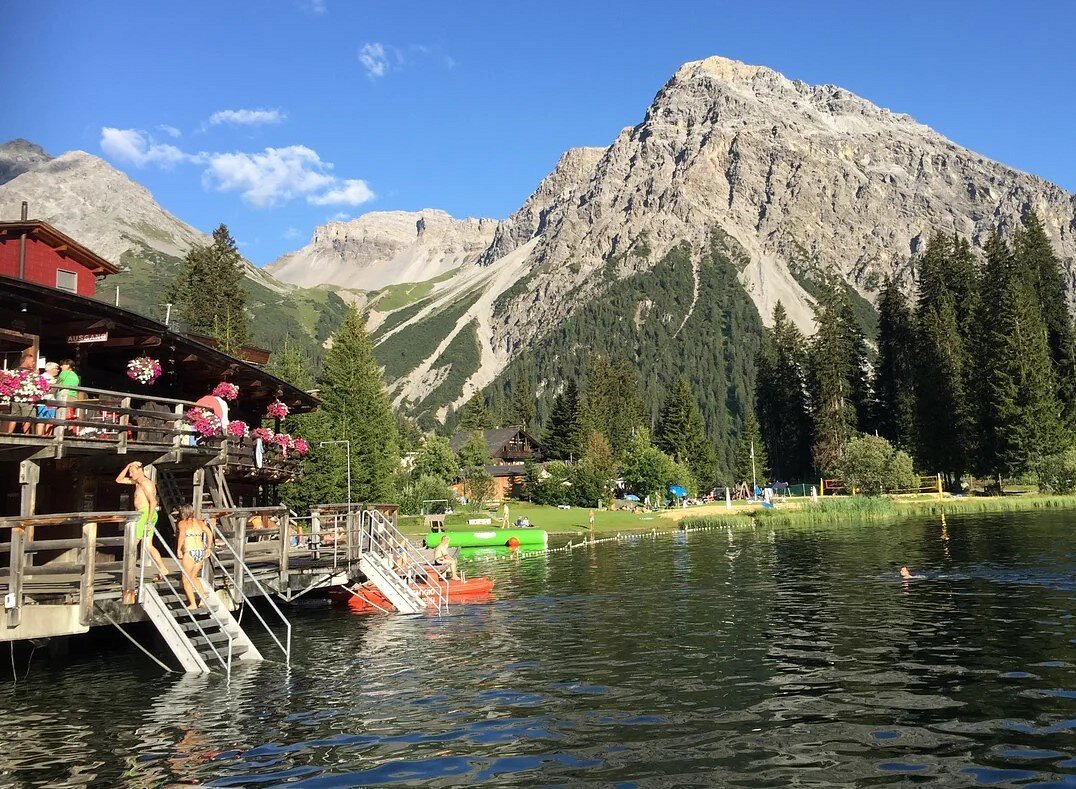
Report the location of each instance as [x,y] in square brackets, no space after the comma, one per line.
[19,156]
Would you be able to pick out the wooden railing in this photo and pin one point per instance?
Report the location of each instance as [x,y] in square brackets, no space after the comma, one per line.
[74,567]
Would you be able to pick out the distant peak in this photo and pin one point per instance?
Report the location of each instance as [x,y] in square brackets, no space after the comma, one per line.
[722,68]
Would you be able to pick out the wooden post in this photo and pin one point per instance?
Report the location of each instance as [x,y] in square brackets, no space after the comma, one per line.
[130,565]
[940,496]
[89,559]
[124,423]
[29,474]
[239,549]
[14,588]
[285,543]
[199,491]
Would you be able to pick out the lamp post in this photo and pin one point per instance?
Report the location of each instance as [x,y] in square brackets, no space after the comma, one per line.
[347,442]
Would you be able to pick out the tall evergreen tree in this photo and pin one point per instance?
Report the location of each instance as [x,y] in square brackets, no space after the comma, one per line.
[894,379]
[781,398]
[1036,259]
[612,404]
[522,405]
[839,390]
[208,293]
[1021,414]
[476,415]
[682,434]
[562,432]
[944,420]
[356,408]
[752,464]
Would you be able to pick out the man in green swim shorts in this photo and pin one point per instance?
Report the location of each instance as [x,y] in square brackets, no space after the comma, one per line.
[145,501]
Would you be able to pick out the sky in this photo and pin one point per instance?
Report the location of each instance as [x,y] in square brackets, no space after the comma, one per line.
[275,117]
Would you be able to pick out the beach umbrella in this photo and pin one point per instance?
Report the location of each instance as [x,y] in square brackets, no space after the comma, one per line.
[632,497]
[676,490]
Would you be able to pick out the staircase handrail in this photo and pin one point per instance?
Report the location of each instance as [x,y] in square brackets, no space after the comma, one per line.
[390,534]
[222,624]
[285,647]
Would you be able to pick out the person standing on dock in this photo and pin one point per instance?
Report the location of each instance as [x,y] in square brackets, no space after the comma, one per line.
[505,522]
[145,501]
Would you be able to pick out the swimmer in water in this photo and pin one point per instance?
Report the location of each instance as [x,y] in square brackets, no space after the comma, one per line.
[905,573]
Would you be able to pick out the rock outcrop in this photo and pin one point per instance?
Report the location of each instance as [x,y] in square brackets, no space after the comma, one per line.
[19,156]
[385,248]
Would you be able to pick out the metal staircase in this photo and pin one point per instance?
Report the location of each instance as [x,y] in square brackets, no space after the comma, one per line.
[199,639]
[399,571]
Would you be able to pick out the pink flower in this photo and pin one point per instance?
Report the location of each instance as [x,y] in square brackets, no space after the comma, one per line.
[238,429]
[264,433]
[276,410]
[301,447]
[226,391]
[23,386]
[205,423]
[144,370]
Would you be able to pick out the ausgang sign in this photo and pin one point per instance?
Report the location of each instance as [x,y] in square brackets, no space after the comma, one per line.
[82,339]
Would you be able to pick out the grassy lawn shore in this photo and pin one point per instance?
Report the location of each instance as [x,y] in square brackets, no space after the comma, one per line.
[789,512]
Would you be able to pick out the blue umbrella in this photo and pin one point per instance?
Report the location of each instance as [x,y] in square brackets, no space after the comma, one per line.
[632,497]
[676,490]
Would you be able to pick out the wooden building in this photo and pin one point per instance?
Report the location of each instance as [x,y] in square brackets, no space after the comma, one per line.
[511,448]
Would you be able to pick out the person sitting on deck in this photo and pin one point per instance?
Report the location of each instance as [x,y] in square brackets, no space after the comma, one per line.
[441,557]
[145,501]
[45,409]
[194,544]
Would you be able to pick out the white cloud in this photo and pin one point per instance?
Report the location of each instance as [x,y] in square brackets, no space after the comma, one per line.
[316,7]
[374,59]
[171,131]
[246,117]
[263,179]
[349,192]
[340,216]
[139,148]
[292,233]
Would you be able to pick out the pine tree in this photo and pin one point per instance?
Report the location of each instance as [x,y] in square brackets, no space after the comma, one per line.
[356,408]
[207,294]
[612,404]
[839,391]
[944,419]
[476,415]
[289,364]
[781,398]
[1020,418]
[752,465]
[894,380]
[562,432]
[682,434]
[522,405]
[1036,259]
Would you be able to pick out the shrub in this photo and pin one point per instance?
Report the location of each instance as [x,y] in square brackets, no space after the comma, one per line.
[425,487]
[873,466]
[1057,473]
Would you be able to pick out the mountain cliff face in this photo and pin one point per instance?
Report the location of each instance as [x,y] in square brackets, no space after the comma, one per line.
[20,156]
[385,248]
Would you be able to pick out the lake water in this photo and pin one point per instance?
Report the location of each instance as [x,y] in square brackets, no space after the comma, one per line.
[751,658]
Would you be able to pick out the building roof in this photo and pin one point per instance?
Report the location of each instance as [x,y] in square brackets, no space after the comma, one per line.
[60,242]
[51,314]
[495,438]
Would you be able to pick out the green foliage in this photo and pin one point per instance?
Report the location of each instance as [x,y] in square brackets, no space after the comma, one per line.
[839,391]
[752,463]
[641,319]
[475,414]
[522,404]
[463,356]
[553,487]
[1057,473]
[208,295]
[647,471]
[406,349]
[682,434]
[781,398]
[435,458]
[874,466]
[894,376]
[475,452]
[416,489]
[611,404]
[356,408]
[562,428]
[944,411]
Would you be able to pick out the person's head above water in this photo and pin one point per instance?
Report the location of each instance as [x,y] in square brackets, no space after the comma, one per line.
[905,572]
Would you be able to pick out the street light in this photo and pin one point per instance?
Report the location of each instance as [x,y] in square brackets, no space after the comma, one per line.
[348,443]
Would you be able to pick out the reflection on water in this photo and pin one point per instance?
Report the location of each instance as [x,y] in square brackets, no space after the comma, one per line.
[732,657]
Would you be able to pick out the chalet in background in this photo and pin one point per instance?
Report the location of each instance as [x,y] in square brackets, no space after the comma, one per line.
[511,448]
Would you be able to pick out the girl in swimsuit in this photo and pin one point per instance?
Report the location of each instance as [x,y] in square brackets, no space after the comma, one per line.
[194,544]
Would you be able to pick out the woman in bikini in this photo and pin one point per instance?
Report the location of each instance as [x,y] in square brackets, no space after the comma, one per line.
[194,544]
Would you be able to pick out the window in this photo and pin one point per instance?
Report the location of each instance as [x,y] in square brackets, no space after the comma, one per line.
[67,280]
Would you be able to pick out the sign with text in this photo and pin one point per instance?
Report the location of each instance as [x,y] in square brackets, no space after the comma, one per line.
[82,339]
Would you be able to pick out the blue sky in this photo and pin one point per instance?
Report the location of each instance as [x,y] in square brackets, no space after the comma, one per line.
[274,117]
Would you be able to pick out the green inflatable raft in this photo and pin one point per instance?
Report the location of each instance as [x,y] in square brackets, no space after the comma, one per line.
[490,538]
